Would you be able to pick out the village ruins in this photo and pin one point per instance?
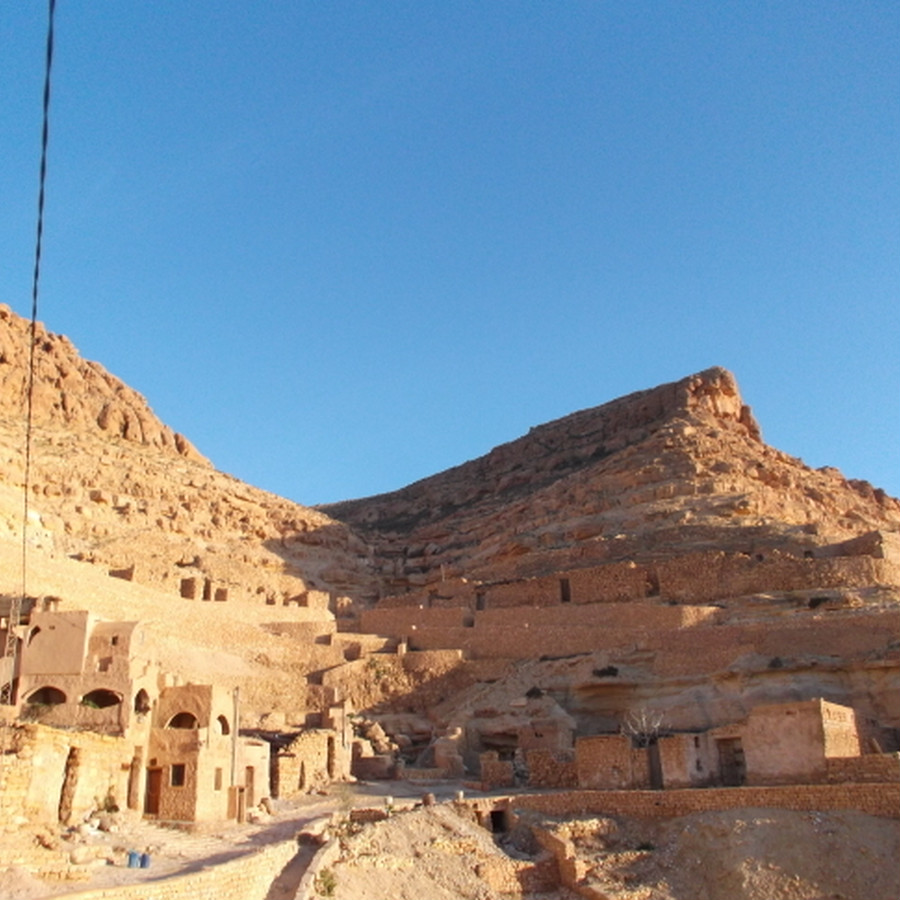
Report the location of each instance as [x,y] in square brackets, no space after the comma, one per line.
[640,603]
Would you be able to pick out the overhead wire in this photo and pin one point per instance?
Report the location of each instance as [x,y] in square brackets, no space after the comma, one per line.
[7,689]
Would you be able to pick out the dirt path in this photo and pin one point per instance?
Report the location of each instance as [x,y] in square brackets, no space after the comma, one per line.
[171,851]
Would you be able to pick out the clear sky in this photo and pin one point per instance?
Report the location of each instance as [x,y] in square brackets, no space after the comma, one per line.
[345,245]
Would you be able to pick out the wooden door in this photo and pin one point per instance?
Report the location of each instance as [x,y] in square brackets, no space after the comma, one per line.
[154,789]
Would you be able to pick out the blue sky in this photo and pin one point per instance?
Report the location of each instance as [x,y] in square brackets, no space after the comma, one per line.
[345,245]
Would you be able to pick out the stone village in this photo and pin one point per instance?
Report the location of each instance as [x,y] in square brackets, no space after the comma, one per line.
[640,606]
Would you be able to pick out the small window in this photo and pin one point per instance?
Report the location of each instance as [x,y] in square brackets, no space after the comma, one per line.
[114,640]
[217,780]
[177,779]
[222,725]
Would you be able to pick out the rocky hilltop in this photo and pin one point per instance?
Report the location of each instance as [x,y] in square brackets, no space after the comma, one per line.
[74,394]
[677,468]
[113,486]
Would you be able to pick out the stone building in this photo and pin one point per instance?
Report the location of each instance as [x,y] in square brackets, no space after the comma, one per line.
[806,742]
[79,672]
[198,767]
[179,744]
[316,757]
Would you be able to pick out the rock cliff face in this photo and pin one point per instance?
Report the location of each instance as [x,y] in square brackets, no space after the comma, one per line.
[670,470]
[74,394]
[114,486]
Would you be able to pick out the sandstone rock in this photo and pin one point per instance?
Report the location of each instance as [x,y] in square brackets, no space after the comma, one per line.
[666,466]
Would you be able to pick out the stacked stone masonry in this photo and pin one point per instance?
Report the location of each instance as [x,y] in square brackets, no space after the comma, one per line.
[246,878]
[873,799]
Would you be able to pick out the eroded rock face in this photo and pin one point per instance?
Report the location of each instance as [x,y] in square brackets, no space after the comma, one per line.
[677,468]
[114,486]
[74,393]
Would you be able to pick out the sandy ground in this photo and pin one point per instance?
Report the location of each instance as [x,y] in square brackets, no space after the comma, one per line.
[751,854]
[734,855]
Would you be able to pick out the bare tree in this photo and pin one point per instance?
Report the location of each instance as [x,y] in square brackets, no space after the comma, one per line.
[642,725]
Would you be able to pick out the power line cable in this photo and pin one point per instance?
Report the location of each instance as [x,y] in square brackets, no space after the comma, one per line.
[15,613]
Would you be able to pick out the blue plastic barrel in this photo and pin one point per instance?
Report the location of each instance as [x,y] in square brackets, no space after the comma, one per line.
[145,860]
[134,859]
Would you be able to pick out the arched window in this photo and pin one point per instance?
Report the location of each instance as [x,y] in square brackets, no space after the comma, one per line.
[142,702]
[222,725]
[47,696]
[33,634]
[101,699]
[183,720]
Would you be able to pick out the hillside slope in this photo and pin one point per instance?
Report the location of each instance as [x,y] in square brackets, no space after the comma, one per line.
[676,468]
[114,486]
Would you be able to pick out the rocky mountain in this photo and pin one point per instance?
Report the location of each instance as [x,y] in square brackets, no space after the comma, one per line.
[660,474]
[677,468]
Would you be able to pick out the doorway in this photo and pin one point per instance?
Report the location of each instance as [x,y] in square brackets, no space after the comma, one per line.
[732,767]
[154,790]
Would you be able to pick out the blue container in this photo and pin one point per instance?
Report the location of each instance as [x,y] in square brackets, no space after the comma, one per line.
[134,859]
[145,860]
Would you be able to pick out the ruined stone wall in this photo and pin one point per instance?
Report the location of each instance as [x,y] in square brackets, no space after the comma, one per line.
[303,766]
[551,769]
[703,577]
[695,578]
[840,730]
[637,614]
[511,877]
[609,762]
[431,661]
[609,583]
[303,631]
[495,772]
[557,616]
[45,771]
[677,652]
[400,620]
[528,592]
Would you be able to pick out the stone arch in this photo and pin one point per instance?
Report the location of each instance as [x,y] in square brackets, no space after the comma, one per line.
[101,698]
[47,696]
[183,720]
